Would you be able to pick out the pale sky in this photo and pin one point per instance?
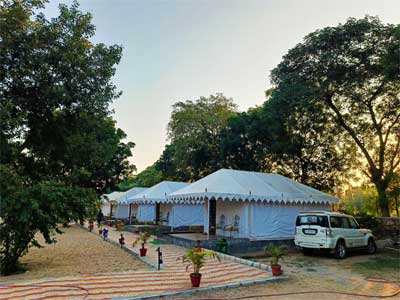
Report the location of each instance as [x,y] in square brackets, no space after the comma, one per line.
[182,49]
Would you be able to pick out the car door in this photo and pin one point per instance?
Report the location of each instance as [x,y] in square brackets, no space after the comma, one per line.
[358,235]
[351,234]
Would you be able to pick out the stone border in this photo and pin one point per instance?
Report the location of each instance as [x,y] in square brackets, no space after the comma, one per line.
[246,262]
[202,289]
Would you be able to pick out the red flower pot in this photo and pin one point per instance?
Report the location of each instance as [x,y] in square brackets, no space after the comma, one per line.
[143,251]
[195,279]
[276,270]
[100,231]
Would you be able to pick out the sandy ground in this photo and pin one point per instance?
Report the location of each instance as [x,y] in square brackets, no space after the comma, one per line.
[76,252]
[316,273]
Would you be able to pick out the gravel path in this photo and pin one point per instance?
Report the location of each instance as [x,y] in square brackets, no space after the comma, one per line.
[76,252]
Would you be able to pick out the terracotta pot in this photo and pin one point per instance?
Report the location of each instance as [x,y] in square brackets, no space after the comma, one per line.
[100,231]
[276,270]
[195,279]
[143,251]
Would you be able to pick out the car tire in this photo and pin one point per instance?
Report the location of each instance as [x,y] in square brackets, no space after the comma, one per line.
[340,250]
[371,246]
[307,251]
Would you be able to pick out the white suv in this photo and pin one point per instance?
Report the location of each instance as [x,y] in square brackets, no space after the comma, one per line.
[331,231]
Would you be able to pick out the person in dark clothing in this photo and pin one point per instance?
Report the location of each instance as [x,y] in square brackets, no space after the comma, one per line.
[99,217]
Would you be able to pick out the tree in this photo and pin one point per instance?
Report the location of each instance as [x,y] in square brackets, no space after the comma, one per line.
[27,209]
[194,131]
[352,71]
[146,178]
[304,144]
[242,142]
[58,142]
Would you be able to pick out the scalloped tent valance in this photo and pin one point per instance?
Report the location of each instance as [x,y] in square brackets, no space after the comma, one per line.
[234,185]
[157,193]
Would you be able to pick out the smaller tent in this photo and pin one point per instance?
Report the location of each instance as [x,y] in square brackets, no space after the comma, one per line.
[124,210]
[154,206]
[109,201]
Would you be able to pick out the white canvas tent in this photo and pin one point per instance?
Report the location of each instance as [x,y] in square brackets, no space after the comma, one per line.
[171,214]
[124,210]
[109,201]
[260,205]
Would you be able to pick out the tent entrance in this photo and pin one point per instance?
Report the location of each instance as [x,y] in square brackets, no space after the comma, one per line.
[158,213]
[212,217]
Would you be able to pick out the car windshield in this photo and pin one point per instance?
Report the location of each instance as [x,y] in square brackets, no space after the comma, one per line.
[321,221]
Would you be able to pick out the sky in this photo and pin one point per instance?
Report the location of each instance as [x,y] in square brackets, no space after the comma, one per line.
[180,50]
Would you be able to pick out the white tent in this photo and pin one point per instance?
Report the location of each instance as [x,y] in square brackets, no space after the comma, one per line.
[258,205]
[123,208]
[108,201]
[170,214]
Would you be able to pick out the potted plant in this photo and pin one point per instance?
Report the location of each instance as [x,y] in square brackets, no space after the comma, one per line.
[100,229]
[276,253]
[143,238]
[196,260]
[91,226]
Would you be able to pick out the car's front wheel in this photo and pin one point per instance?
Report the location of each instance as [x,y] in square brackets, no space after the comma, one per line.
[371,246]
[340,250]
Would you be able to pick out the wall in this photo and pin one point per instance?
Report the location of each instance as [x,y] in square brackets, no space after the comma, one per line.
[271,221]
[122,211]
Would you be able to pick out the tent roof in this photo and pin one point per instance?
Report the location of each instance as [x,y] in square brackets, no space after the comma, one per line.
[123,199]
[157,193]
[112,196]
[237,185]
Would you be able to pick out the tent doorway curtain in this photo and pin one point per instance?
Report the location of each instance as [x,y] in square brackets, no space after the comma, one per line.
[157,213]
[212,223]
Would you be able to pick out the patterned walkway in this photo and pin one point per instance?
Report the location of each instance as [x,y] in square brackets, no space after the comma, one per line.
[172,277]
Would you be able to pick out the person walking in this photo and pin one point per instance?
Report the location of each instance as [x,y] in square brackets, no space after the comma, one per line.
[99,217]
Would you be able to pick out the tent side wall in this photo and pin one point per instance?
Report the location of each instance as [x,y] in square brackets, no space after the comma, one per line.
[122,211]
[105,208]
[186,215]
[146,212]
[277,221]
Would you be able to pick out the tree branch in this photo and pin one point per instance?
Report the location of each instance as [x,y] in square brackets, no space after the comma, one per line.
[342,122]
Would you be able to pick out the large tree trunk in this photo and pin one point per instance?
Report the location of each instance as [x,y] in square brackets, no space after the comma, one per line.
[383,201]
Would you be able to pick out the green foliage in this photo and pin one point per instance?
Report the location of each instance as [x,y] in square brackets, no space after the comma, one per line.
[348,70]
[197,259]
[276,253]
[27,209]
[360,201]
[148,177]
[194,130]
[143,238]
[59,146]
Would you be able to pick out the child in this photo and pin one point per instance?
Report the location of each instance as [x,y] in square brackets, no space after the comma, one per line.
[121,240]
[105,233]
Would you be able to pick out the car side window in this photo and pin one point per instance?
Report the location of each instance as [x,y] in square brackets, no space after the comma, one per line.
[345,223]
[335,222]
[353,223]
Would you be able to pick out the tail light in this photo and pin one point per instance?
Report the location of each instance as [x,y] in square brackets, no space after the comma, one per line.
[329,232]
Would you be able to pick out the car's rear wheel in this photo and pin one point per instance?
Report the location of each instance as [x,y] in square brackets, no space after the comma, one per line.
[340,250]
[371,246]
[308,251]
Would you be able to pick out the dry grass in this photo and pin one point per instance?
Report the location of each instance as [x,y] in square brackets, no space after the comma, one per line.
[76,252]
